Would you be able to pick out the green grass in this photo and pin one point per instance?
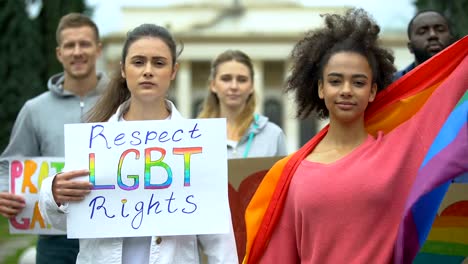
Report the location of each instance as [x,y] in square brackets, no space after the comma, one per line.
[4,233]
[5,236]
[13,259]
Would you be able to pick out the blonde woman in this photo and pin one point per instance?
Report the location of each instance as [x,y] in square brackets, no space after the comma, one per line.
[232,96]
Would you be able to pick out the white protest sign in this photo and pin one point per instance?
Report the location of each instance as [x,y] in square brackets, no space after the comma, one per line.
[26,176]
[150,178]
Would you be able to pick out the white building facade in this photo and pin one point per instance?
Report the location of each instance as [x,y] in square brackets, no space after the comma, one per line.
[264,29]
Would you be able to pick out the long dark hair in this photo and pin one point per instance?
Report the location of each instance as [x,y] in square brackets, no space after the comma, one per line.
[117,91]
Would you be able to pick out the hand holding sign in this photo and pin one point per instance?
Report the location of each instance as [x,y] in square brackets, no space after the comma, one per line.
[26,177]
[66,189]
[159,178]
[11,204]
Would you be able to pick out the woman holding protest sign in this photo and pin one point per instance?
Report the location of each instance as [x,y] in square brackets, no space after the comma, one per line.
[136,92]
[232,96]
[367,187]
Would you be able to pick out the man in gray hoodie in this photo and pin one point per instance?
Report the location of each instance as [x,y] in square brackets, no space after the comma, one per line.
[39,127]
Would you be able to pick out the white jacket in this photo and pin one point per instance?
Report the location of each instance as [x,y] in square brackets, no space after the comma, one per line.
[220,248]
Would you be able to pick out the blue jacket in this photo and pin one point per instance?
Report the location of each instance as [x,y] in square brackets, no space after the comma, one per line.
[399,74]
[262,139]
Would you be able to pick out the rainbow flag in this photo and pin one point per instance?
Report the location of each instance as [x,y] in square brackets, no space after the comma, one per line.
[448,239]
[392,107]
[430,186]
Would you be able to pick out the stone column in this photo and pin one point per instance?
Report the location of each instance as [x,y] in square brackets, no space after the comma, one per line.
[259,84]
[291,123]
[184,89]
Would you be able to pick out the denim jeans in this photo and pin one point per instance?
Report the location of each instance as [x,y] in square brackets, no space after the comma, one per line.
[56,250]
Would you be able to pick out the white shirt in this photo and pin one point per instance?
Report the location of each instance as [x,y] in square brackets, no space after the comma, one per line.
[183,249]
[136,250]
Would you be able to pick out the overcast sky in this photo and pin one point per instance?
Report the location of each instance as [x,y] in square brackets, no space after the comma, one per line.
[393,14]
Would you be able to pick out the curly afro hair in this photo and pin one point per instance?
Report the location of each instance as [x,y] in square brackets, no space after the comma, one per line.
[354,31]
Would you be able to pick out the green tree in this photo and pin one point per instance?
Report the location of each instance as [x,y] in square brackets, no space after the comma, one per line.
[21,60]
[27,53]
[51,12]
[455,10]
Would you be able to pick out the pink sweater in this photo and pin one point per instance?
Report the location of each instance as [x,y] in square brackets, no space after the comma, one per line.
[349,211]
[345,212]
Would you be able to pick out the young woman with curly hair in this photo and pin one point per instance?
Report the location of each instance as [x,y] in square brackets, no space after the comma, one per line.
[341,197]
